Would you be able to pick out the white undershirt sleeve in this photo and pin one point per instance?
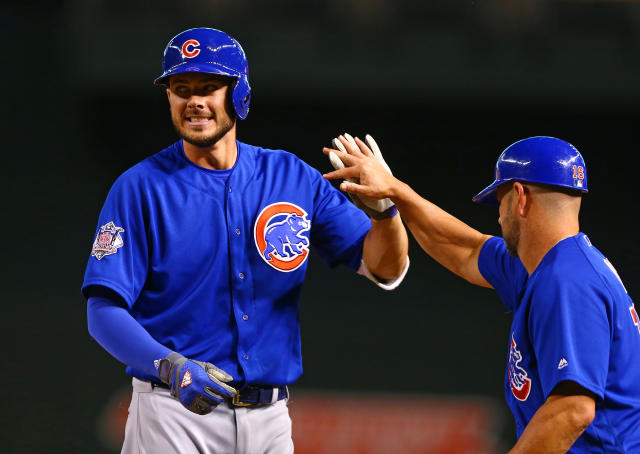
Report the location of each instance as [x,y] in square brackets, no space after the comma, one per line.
[387,284]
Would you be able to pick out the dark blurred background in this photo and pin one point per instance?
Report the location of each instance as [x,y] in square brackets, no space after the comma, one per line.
[442,85]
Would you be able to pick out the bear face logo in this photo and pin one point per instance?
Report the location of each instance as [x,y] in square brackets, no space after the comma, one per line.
[278,233]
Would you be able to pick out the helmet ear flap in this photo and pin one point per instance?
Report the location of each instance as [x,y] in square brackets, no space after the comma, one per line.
[241,97]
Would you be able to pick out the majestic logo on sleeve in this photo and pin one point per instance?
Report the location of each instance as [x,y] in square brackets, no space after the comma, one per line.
[108,240]
[278,233]
[518,377]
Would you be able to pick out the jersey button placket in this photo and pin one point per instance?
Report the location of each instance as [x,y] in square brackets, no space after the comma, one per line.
[241,246]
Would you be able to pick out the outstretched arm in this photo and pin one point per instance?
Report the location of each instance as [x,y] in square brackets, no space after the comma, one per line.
[448,240]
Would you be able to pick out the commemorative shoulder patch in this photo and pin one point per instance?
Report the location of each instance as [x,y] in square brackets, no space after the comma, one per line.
[108,240]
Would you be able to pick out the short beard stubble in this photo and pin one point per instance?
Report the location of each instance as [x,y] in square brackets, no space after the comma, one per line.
[222,129]
[511,235]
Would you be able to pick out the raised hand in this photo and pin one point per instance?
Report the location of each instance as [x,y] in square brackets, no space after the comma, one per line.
[368,179]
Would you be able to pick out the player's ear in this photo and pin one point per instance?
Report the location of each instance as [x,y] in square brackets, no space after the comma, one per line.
[523,198]
[168,93]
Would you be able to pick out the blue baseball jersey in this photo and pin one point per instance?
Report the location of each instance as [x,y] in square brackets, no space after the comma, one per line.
[572,320]
[211,262]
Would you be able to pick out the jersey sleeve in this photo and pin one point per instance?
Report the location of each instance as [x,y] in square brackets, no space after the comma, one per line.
[339,227]
[119,257]
[569,328]
[505,273]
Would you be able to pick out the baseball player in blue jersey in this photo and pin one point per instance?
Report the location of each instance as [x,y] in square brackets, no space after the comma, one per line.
[573,375]
[196,269]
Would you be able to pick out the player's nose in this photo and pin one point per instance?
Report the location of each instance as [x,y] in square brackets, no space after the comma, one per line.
[196,102]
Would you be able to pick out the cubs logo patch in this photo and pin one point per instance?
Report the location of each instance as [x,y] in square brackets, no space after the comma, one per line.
[190,48]
[518,378]
[108,240]
[278,233]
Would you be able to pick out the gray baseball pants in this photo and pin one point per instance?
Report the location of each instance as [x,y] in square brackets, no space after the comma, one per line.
[158,423]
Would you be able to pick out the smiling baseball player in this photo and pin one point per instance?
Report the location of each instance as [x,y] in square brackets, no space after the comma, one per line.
[199,257]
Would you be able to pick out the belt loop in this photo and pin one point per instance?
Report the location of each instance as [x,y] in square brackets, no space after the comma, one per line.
[274,395]
[262,393]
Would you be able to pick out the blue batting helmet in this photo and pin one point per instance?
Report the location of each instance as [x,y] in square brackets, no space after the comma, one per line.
[207,50]
[541,159]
